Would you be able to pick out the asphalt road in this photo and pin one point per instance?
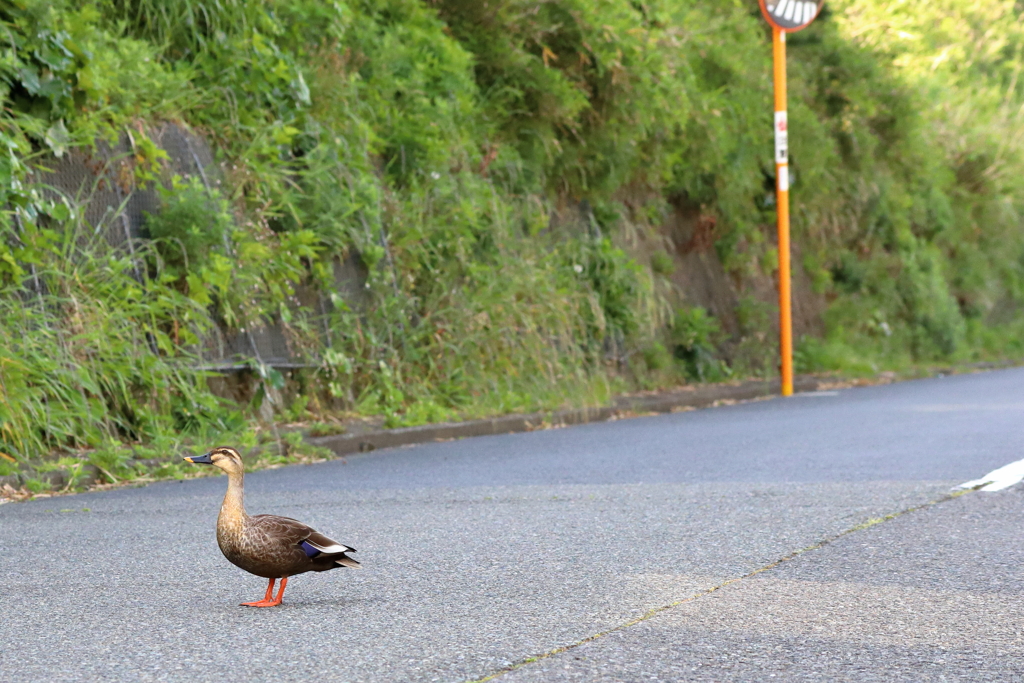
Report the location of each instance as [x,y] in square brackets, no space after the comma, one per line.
[746,542]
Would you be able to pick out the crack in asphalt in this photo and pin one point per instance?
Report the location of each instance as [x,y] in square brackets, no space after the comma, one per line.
[663,608]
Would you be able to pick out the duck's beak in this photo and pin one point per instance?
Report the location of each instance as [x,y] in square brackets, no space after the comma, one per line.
[203,459]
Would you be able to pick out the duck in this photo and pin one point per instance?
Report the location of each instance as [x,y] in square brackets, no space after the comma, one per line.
[270,546]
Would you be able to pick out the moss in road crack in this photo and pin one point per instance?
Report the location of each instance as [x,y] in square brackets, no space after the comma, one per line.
[760,570]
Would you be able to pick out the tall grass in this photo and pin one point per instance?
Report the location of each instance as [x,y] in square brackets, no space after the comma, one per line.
[92,349]
[184,26]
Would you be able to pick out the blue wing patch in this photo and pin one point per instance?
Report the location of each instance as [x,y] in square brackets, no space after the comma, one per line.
[310,551]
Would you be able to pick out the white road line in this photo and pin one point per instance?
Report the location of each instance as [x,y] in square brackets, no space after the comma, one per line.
[997,480]
[957,407]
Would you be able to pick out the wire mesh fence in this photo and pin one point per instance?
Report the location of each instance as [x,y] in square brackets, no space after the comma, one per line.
[100,182]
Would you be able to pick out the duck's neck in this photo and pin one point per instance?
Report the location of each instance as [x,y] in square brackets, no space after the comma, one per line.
[232,510]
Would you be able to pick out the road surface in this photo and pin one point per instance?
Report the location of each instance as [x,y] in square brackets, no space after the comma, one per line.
[811,538]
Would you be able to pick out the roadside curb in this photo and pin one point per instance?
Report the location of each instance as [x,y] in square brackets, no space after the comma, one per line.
[374,438]
[365,438]
[700,396]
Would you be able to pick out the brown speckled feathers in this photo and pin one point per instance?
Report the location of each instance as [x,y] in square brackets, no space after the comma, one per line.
[273,547]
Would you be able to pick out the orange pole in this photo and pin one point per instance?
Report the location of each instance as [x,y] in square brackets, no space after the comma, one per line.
[782,203]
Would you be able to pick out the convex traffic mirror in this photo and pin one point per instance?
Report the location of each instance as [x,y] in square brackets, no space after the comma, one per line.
[790,15]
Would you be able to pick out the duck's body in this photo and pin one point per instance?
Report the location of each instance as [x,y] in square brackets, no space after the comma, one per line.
[278,547]
[268,545]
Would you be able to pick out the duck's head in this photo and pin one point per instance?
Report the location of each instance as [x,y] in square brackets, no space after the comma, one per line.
[224,457]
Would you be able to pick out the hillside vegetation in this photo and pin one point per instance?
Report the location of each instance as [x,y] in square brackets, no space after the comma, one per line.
[504,172]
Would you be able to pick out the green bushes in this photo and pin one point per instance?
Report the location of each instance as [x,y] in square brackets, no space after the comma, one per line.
[696,337]
[191,226]
[491,168]
[931,310]
[618,289]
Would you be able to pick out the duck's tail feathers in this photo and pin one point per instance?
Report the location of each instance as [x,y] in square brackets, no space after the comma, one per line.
[326,545]
[347,562]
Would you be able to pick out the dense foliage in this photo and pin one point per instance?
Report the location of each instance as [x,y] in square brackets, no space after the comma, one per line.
[495,168]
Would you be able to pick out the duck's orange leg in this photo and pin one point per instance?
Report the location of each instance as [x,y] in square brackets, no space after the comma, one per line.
[280,594]
[266,601]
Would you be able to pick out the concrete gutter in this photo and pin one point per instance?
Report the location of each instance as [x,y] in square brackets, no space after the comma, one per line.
[370,435]
[688,398]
